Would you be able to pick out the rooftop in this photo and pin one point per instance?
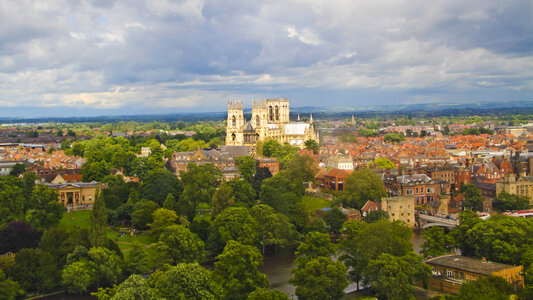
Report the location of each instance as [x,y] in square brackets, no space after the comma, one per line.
[473,265]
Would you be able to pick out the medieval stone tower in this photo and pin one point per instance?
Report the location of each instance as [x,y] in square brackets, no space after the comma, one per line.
[234,134]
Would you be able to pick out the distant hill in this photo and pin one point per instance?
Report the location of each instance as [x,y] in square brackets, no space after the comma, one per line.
[414,110]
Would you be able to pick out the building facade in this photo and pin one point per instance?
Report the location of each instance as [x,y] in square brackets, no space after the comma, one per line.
[521,186]
[400,208]
[270,121]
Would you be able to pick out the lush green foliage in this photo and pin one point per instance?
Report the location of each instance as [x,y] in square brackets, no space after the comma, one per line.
[436,242]
[236,269]
[361,186]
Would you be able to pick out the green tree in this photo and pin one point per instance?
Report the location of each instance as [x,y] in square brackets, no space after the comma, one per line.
[501,238]
[135,287]
[334,219]
[313,146]
[142,167]
[243,192]
[393,137]
[236,270]
[11,200]
[170,203]
[162,219]
[393,276]
[186,281]
[233,223]
[178,244]
[348,137]
[376,215]
[9,289]
[281,193]
[94,171]
[317,225]
[381,163]
[36,270]
[467,220]
[79,276]
[142,214]
[271,228]
[18,169]
[270,148]
[473,197]
[315,244]
[222,199]
[246,166]
[158,185]
[320,278]
[44,211]
[267,294]
[363,242]
[302,168]
[505,201]
[436,242]
[492,287]
[98,221]
[107,264]
[136,260]
[200,183]
[361,186]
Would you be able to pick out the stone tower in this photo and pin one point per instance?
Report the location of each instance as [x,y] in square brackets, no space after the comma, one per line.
[234,134]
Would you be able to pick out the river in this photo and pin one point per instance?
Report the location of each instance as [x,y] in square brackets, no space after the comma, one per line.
[276,266]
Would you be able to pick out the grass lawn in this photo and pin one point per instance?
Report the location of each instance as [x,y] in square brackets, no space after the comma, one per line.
[78,218]
[81,219]
[314,203]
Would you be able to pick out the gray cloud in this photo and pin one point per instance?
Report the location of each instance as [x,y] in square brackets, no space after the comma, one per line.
[195,54]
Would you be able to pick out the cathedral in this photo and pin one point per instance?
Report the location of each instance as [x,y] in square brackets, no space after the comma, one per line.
[269,121]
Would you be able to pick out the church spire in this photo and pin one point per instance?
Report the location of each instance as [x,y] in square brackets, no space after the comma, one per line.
[311,118]
[298,116]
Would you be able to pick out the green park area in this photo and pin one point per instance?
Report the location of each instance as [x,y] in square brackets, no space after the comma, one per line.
[81,219]
[313,203]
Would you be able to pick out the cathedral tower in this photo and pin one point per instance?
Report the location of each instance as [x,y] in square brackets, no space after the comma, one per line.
[234,135]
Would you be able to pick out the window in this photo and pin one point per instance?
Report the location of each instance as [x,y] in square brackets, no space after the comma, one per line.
[461,275]
[257,121]
[234,122]
[416,191]
[450,273]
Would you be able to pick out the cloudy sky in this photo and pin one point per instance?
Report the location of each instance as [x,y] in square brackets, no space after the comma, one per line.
[77,57]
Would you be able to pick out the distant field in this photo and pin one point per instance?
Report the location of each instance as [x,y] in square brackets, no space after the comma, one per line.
[314,203]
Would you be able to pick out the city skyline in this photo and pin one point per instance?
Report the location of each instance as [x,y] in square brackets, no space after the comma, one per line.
[111,58]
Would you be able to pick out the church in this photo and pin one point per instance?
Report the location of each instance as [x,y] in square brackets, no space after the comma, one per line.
[269,121]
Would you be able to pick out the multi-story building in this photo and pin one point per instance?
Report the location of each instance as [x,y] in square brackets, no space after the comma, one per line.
[340,162]
[333,179]
[75,195]
[451,271]
[517,185]
[419,186]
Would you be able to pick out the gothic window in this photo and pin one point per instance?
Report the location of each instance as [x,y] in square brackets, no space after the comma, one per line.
[277,113]
[270,114]
[257,121]
[233,136]
[234,121]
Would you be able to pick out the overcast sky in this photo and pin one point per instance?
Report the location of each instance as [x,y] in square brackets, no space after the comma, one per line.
[156,56]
